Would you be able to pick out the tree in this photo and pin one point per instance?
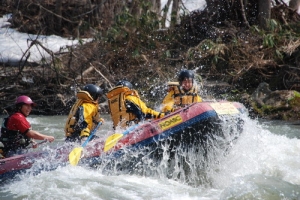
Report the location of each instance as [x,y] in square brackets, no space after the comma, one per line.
[264,13]
[245,11]
[175,13]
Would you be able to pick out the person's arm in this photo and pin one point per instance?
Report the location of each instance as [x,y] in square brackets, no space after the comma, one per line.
[38,136]
[131,107]
[88,115]
[138,107]
[97,118]
[199,99]
[168,102]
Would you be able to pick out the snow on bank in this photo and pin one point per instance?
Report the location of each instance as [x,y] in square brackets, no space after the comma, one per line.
[14,44]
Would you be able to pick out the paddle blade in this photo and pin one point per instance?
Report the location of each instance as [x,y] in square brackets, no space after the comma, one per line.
[111,141]
[75,155]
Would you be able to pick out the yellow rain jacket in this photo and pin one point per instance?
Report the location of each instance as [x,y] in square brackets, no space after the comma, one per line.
[83,116]
[178,98]
[126,106]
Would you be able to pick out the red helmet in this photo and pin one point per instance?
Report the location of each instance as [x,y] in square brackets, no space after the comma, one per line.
[24,100]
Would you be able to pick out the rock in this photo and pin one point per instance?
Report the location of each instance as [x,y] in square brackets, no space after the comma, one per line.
[278,104]
[279,98]
[261,92]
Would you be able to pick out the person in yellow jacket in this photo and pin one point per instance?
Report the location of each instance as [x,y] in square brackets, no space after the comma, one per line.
[181,93]
[84,115]
[126,107]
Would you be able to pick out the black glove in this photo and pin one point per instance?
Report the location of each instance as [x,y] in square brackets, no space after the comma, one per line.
[162,114]
[166,113]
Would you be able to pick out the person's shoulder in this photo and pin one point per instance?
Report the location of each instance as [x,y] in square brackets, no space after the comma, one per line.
[17,115]
[90,104]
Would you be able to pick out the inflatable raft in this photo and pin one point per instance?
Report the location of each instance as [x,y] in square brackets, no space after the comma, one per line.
[195,126]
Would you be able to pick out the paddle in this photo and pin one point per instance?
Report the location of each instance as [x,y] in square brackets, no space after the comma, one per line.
[113,139]
[75,154]
[39,143]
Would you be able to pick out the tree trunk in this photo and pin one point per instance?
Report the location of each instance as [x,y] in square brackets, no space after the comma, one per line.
[135,8]
[58,11]
[175,13]
[264,13]
[165,13]
[156,6]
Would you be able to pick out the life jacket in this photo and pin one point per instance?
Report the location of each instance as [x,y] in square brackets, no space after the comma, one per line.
[117,106]
[182,98]
[71,125]
[12,139]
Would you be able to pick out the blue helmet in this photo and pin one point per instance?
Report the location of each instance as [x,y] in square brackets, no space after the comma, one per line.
[93,90]
[185,74]
[125,84]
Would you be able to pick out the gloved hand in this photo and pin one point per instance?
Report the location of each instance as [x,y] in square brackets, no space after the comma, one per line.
[161,114]
[168,112]
[101,120]
[85,132]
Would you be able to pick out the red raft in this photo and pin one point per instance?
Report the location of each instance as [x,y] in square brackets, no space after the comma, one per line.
[194,126]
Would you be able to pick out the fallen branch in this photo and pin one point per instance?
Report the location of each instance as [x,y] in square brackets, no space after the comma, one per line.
[85,72]
[102,75]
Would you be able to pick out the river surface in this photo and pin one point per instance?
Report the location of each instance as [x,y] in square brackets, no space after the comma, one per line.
[264,163]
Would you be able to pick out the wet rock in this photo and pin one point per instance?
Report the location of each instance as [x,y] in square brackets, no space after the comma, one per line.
[278,104]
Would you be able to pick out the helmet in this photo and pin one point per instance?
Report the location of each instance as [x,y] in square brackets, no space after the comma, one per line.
[93,90]
[125,84]
[24,100]
[185,74]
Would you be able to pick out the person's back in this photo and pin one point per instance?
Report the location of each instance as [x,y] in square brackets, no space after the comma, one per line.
[116,103]
[83,114]
[126,107]
[182,94]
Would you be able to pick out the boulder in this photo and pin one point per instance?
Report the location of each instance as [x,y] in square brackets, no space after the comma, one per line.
[278,104]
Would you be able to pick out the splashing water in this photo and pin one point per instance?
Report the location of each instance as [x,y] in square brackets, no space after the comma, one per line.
[259,164]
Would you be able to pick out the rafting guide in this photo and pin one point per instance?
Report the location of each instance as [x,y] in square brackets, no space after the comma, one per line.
[16,133]
[181,94]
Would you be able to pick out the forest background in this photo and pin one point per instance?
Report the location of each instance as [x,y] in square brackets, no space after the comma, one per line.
[233,46]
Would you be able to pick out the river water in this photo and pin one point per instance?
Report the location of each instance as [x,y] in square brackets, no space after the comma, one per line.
[264,163]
